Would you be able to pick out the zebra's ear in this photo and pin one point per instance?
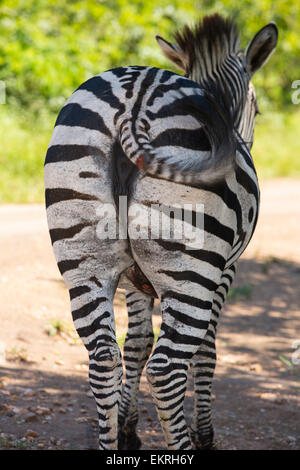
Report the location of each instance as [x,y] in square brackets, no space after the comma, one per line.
[172,52]
[261,48]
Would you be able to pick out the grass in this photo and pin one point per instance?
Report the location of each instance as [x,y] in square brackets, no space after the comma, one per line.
[286,362]
[121,338]
[56,327]
[276,149]
[240,291]
[17,354]
[269,262]
[63,329]
[24,142]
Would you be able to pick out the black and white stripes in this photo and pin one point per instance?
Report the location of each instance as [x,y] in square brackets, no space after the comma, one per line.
[162,142]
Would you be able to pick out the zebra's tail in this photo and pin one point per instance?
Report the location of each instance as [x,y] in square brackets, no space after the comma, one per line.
[211,167]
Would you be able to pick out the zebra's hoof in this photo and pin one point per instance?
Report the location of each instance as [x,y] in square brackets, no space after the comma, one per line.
[129,441]
[206,446]
[201,442]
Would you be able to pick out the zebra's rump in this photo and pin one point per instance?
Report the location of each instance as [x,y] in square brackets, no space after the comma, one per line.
[94,158]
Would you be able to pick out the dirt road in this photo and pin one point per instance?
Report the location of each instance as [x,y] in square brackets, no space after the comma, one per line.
[44,394]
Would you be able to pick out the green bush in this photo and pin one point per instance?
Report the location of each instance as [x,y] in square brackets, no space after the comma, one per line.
[49,47]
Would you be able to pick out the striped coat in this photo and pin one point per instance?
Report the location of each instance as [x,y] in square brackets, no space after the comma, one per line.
[135,150]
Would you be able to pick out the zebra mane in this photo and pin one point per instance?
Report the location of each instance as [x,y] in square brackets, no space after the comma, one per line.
[207,45]
[210,49]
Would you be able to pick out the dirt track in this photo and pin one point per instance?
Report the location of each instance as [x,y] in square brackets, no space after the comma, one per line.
[44,393]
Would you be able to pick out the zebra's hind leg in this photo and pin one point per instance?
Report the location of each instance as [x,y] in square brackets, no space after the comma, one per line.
[137,349]
[185,320]
[203,366]
[92,311]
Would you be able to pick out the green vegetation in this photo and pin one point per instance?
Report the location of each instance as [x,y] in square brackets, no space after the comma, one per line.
[24,142]
[269,261]
[17,354]
[63,329]
[286,362]
[48,48]
[276,149]
[122,337]
[240,291]
[57,327]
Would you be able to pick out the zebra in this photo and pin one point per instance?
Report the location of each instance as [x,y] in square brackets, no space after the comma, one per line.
[157,138]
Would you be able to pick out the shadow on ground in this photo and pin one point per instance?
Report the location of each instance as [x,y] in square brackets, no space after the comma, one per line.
[256,392]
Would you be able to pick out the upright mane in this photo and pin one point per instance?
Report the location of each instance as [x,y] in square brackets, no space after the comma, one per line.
[212,54]
[207,45]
